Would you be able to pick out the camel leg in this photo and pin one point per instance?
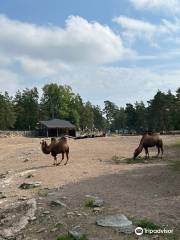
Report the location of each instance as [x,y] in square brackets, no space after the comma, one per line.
[158,151]
[147,153]
[162,151]
[61,159]
[67,156]
[55,161]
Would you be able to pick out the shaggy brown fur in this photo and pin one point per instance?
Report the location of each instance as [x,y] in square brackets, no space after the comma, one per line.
[55,148]
[149,141]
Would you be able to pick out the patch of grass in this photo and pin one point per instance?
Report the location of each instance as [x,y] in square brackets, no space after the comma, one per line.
[89,203]
[69,237]
[121,160]
[145,223]
[42,192]
[118,160]
[176,144]
[137,160]
[58,225]
[175,165]
[65,237]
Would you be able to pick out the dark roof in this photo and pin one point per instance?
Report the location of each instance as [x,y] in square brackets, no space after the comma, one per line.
[57,123]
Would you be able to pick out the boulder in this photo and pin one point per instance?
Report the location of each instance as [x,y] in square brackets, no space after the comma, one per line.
[30,185]
[119,222]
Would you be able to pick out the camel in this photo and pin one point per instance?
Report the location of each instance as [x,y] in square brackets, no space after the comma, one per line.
[149,140]
[56,147]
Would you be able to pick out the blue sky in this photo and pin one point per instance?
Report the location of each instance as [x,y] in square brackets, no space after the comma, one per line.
[121,50]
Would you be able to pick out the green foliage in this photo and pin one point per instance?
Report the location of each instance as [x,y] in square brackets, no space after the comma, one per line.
[69,237]
[145,223]
[24,111]
[89,203]
[27,109]
[7,114]
[175,166]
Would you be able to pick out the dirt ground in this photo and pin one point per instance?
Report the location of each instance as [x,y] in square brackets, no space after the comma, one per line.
[147,190]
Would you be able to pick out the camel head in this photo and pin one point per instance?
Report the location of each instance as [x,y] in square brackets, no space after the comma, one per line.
[137,152]
[44,147]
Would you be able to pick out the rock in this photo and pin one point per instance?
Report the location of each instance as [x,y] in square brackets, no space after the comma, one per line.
[2,175]
[54,230]
[76,233]
[70,214]
[30,175]
[26,160]
[33,219]
[2,195]
[98,203]
[16,218]
[97,209]
[30,185]
[119,222]
[46,212]
[23,198]
[41,230]
[57,203]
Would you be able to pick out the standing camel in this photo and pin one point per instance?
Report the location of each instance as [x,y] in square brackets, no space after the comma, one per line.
[149,140]
[55,148]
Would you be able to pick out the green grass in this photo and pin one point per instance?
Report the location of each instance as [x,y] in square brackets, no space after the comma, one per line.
[145,223]
[122,160]
[176,144]
[69,237]
[137,160]
[118,159]
[89,203]
[175,165]
[58,225]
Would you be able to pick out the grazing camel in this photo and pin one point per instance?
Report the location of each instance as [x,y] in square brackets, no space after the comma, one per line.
[149,140]
[55,148]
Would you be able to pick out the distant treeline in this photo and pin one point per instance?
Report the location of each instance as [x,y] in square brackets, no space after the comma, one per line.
[25,109]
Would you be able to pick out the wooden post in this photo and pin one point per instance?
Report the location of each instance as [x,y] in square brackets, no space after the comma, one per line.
[47,133]
[57,132]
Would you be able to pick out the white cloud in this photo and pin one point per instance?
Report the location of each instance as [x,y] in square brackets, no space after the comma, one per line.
[134,29]
[135,24]
[79,42]
[9,81]
[170,6]
[32,55]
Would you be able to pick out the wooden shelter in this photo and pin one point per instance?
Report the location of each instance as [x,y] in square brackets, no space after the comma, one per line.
[56,128]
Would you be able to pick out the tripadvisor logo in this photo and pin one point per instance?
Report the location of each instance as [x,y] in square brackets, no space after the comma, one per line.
[140,231]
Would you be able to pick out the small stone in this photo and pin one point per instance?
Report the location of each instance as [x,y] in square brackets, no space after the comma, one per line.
[54,230]
[32,219]
[26,159]
[23,198]
[97,209]
[98,203]
[2,196]
[41,230]
[46,212]
[30,185]
[58,203]
[76,233]
[70,213]
[78,214]
[3,175]
[30,175]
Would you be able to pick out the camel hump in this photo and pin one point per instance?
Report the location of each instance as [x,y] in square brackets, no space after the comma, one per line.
[63,139]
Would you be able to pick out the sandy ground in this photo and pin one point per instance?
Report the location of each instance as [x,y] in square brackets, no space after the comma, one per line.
[138,190]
